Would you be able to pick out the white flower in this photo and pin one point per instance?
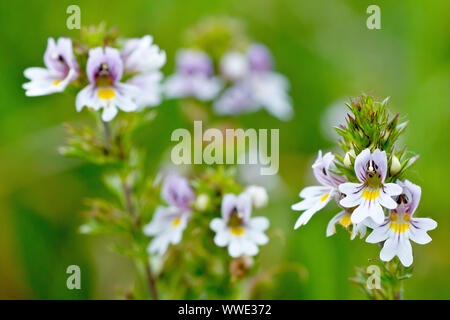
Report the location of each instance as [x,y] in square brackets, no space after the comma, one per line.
[236,229]
[371,193]
[61,69]
[255,85]
[317,197]
[343,218]
[270,90]
[142,56]
[401,226]
[166,227]
[168,223]
[144,60]
[104,70]
[194,77]
[258,195]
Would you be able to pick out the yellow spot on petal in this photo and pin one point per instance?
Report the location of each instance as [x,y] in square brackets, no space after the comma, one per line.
[56,82]
[176,221]
[393,217]
[324,197]
[370,194]
[399,227]
[237,231]
[106,94]
[345,221]
[407,218]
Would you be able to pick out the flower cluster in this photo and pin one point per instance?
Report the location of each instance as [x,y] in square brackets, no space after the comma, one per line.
[359,184]
[125,75]
[240,78]
[125,78]
[236,229]
[210,211]
[253,84]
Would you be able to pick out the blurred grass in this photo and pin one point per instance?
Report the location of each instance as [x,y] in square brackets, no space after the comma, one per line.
[327,53]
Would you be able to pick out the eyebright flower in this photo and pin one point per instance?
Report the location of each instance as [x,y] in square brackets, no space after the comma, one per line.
[167,227]
[343,218]
[255,85]
[168,223]
[177,192]
[61,69]
[317,197]
[371,193]
[142,56]
[194,77]
[236,229]
[401,226]
[144,60]
[104,70]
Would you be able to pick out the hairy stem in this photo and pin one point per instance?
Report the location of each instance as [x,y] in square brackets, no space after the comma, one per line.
[132,211]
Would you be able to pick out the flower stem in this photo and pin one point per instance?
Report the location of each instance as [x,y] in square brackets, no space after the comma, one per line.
[151,281]
[107,135]
[131,210]
[129,202]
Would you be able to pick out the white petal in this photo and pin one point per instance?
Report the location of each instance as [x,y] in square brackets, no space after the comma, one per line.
[235,248]
[419,236]
[392,189]
[386,200]
[222,238]
[125,95]
[389,249]
[314,191]
[258,237]
[270,90]
[351,201]
[175,86]
[424,223]
[205,88]
[259,223]
[368,222]
[405,252]
[176,236]
[217,224]
[379,234]
[349,188]
[158,245]
[305,204]
[304,218]
[86,97]
[376,212]
[249,248]
[35,73]
[359,214]
[367,209]
[331,227]
[109,113]
[360,164]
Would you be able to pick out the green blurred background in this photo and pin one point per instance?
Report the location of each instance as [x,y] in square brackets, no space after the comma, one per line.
[328,54]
